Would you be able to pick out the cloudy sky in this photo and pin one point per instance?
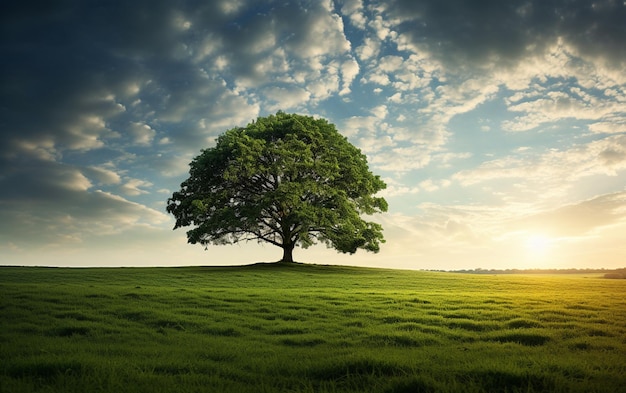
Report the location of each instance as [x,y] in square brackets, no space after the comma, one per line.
[499,126]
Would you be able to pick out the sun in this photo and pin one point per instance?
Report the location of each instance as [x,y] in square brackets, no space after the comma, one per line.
[538,244]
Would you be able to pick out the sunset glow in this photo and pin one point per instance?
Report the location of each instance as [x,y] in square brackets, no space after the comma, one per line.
[538,245]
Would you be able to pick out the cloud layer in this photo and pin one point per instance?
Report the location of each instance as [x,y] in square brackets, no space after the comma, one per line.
[490,121]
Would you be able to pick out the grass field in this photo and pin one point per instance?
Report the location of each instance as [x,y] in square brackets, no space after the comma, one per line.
[308,328]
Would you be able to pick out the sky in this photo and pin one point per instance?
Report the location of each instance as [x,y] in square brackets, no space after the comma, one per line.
[498,126]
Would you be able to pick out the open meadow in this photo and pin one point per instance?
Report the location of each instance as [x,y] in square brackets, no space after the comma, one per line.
[308,328]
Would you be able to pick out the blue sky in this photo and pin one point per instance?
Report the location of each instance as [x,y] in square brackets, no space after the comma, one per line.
[499,127]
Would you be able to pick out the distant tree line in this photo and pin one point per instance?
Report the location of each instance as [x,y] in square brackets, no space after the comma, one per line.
[618,273]
[608,273]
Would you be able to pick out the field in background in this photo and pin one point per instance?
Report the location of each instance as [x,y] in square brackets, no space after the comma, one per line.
[308,328]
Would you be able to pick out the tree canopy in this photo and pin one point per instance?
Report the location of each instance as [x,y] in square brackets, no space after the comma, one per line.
[285,179]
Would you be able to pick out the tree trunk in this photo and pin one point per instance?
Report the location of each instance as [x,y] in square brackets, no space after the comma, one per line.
[287,253]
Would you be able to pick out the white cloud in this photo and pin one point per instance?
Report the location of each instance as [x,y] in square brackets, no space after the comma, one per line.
[401,159]
[374,144]
[134,187]
[359,124]
[396,99]
[262,41]
[390,64]
[103,175]
[308,27]
[177,166]
[559,84]
[286,98]
[229,110]
[381,28]
[349,71]
[378,78]
[429,185]
[325,85]
[207,46]
[453,100]
[555,172]
[354,10]
[59,208]
[379,111]
[142,133]
[73,180]
[86,133]
[41,149]
[555,106]
[609,127]
[370,49]
[577,219]
[396,188]
[446,159]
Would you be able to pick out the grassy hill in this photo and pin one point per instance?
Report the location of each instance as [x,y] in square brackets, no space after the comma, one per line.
[308,328]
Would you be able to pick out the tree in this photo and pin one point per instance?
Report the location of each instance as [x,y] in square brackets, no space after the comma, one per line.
[284,179]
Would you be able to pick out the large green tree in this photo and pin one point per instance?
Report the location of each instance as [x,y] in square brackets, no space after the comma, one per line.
[284,179]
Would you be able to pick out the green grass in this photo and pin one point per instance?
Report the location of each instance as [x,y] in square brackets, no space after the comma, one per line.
[308,328]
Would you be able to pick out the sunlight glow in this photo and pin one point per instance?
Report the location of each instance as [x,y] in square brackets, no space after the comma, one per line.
[538,245]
